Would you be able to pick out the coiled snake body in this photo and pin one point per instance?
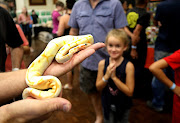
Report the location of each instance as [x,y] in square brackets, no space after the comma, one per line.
[42,87]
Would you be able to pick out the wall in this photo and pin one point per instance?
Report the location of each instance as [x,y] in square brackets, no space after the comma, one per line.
[43,11]
[49,5]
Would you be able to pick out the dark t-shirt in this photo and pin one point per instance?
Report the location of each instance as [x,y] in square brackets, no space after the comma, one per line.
[139,16]
[168,14]
[35,18]
[8,35]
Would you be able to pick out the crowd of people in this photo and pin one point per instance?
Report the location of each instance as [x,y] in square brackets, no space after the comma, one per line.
[111,70]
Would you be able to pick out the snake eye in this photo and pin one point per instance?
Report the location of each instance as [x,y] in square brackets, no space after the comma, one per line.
[85,44]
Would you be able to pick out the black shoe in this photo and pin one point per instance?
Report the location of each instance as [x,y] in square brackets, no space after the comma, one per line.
[157,109]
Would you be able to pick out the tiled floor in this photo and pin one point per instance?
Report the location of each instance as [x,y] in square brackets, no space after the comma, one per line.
[82,109]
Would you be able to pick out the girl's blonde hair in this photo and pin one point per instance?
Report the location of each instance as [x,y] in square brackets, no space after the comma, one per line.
[119,34]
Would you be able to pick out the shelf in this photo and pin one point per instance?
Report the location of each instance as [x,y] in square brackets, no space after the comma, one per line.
[155,1]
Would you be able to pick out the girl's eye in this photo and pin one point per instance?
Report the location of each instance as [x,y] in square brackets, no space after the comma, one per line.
[118,46]
[110,45]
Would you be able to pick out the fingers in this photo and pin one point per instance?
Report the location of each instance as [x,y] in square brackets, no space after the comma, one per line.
[87,52]
[111,68]
[58,104]
[96,46]
[112,65]
[82,55]
[33,109]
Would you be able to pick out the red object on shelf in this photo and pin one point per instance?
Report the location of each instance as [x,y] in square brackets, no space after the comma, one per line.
[150,57]
[155,0]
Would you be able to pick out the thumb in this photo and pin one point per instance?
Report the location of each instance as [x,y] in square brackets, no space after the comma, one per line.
[58,104]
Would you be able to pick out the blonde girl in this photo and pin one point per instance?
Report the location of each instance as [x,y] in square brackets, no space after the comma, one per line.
[116,79]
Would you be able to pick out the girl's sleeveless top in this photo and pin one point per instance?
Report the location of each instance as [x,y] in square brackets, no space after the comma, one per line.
[111,95]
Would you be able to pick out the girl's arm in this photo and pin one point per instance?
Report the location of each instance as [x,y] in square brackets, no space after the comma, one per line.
[157,70]
[100,84]
[128,87]
[20,19]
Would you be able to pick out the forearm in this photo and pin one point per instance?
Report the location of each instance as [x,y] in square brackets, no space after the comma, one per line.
[19,19]
[61,28]
[60,32]
[160,75]
[74,31]
[100,84]
[136,34]
[129,33]
[17,56]
[12,84]
[122,86]
[157,70]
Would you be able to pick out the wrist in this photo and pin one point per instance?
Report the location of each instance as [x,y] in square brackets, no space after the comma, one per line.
[15,69]
[133,47]
[114,78]
[104,79]
[173,86]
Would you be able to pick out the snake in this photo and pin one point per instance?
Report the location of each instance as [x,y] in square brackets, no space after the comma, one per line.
[61,49]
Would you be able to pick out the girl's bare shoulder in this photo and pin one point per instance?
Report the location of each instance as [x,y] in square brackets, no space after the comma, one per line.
[102,62]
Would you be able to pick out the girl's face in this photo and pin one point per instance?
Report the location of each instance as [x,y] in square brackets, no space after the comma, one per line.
[24,10]
[115,47]
[59,8]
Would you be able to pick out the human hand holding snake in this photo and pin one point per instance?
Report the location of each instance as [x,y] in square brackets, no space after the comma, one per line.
[68,46]
[21,111]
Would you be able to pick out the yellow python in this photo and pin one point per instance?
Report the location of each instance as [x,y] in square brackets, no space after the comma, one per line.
[43,87]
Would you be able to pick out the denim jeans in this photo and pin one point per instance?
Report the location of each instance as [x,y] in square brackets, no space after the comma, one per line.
[158,88]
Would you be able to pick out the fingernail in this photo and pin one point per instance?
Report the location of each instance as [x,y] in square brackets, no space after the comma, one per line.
[66,107]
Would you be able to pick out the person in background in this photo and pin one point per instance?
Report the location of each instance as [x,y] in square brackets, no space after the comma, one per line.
[115,79]
[125,5]
[167,42]
[63,29]
[56,17]
[157,69]
[25,45]
[13,83]
[12,9]
[9,36]
[35,21]
[24,19]
[95,17]
[138,20]
[34,17]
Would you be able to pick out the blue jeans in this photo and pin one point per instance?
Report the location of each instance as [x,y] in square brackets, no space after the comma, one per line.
[158,88]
